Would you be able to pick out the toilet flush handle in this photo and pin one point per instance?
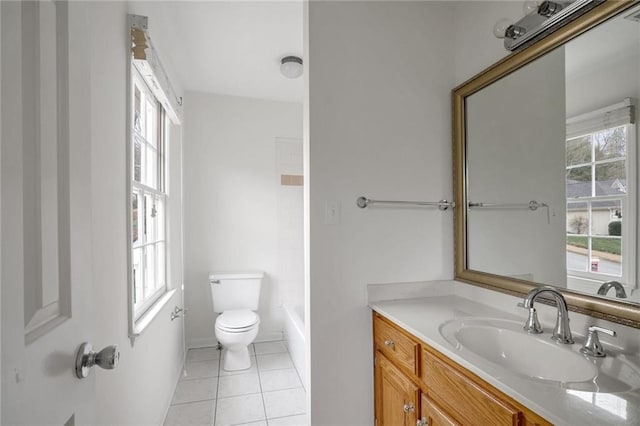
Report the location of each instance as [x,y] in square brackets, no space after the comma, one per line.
[215,281]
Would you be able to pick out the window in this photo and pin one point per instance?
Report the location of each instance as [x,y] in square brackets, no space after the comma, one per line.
[148,197]
[600,170]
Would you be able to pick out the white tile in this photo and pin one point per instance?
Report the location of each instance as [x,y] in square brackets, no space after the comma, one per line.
[252,369]
[195,413]
[200,369]
[203,354]
[195,390]
[300,420]
[270,347]
[279,379]
[274,361]
[239,384]
[261,423]
[285,403]
[239,409]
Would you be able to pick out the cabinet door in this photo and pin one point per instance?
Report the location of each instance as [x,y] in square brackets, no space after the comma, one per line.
[396,395]
[432,415]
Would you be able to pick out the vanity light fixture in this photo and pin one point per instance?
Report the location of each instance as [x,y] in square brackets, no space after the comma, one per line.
[540,20]
[291,66]
[505,29]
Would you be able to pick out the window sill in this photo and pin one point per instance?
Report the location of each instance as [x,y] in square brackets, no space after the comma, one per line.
[145,320]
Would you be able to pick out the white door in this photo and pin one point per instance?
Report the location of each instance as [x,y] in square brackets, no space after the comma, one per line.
[45,214]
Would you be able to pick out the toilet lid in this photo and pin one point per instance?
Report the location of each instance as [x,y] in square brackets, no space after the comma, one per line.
[237,319]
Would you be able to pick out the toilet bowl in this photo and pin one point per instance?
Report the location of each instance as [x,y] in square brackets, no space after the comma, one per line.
[235,330]
[235,296]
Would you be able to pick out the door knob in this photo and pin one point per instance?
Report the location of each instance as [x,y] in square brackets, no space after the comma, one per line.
[86,358]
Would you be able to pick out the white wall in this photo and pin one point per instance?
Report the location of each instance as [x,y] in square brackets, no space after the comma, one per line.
[290,217]
[475,46]
[513,159]
[141,388]
[379,125]
[231,201]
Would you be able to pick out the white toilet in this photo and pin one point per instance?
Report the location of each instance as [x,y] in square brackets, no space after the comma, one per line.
[235,296]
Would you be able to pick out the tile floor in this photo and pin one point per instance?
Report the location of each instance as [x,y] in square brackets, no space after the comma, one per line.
[270,393]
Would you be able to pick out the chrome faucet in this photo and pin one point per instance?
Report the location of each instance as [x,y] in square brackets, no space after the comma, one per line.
[605,287]
[561,332]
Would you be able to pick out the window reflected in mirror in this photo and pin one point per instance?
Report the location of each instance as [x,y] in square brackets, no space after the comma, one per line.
[597,195]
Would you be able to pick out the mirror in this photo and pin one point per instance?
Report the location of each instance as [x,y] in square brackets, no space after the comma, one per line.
[546,167]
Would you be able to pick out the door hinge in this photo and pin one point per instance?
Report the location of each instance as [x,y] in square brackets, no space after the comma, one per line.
[375,421]
[375,362]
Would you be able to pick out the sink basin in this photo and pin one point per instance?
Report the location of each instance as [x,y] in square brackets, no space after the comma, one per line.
[504,343]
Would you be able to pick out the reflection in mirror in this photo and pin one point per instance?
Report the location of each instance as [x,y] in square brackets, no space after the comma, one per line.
[551,166]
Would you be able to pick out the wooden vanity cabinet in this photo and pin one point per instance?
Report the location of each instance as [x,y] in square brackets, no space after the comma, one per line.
[417,385]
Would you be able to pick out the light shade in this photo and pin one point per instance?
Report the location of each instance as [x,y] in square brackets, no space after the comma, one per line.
[291,66]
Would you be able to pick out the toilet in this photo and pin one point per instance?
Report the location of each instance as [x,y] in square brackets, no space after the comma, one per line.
[235,297]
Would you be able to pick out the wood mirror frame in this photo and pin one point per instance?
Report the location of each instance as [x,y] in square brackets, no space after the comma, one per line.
[599,307]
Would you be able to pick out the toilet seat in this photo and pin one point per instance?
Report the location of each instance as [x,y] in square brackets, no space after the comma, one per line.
[237,321]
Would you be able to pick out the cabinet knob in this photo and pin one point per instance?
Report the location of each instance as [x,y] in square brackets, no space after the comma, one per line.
[422,422]
[409,408]
[390,344]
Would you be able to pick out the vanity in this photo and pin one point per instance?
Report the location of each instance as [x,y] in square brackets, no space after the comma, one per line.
[418,385]
[449,360]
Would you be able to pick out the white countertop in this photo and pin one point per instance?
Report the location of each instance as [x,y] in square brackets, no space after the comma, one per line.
[423,316]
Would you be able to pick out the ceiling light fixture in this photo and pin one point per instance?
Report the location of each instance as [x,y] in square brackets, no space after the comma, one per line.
[291,66]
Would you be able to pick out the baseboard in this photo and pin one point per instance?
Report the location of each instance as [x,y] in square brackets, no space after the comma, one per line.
[207,342]
[203,342]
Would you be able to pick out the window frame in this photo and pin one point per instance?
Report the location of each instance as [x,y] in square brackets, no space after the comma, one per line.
[141,313]
[627,200]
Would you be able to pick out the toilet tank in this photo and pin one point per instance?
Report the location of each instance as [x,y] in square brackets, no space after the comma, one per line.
[235,290]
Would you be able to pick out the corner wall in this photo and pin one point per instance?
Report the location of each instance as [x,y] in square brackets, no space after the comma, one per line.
[380,77]
[232,189]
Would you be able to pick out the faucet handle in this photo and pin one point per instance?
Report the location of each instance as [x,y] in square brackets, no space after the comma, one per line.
[532,326]
[601,330]
[592,346]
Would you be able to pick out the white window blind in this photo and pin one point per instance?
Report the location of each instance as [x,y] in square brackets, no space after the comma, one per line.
[620,114]
[146,60]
